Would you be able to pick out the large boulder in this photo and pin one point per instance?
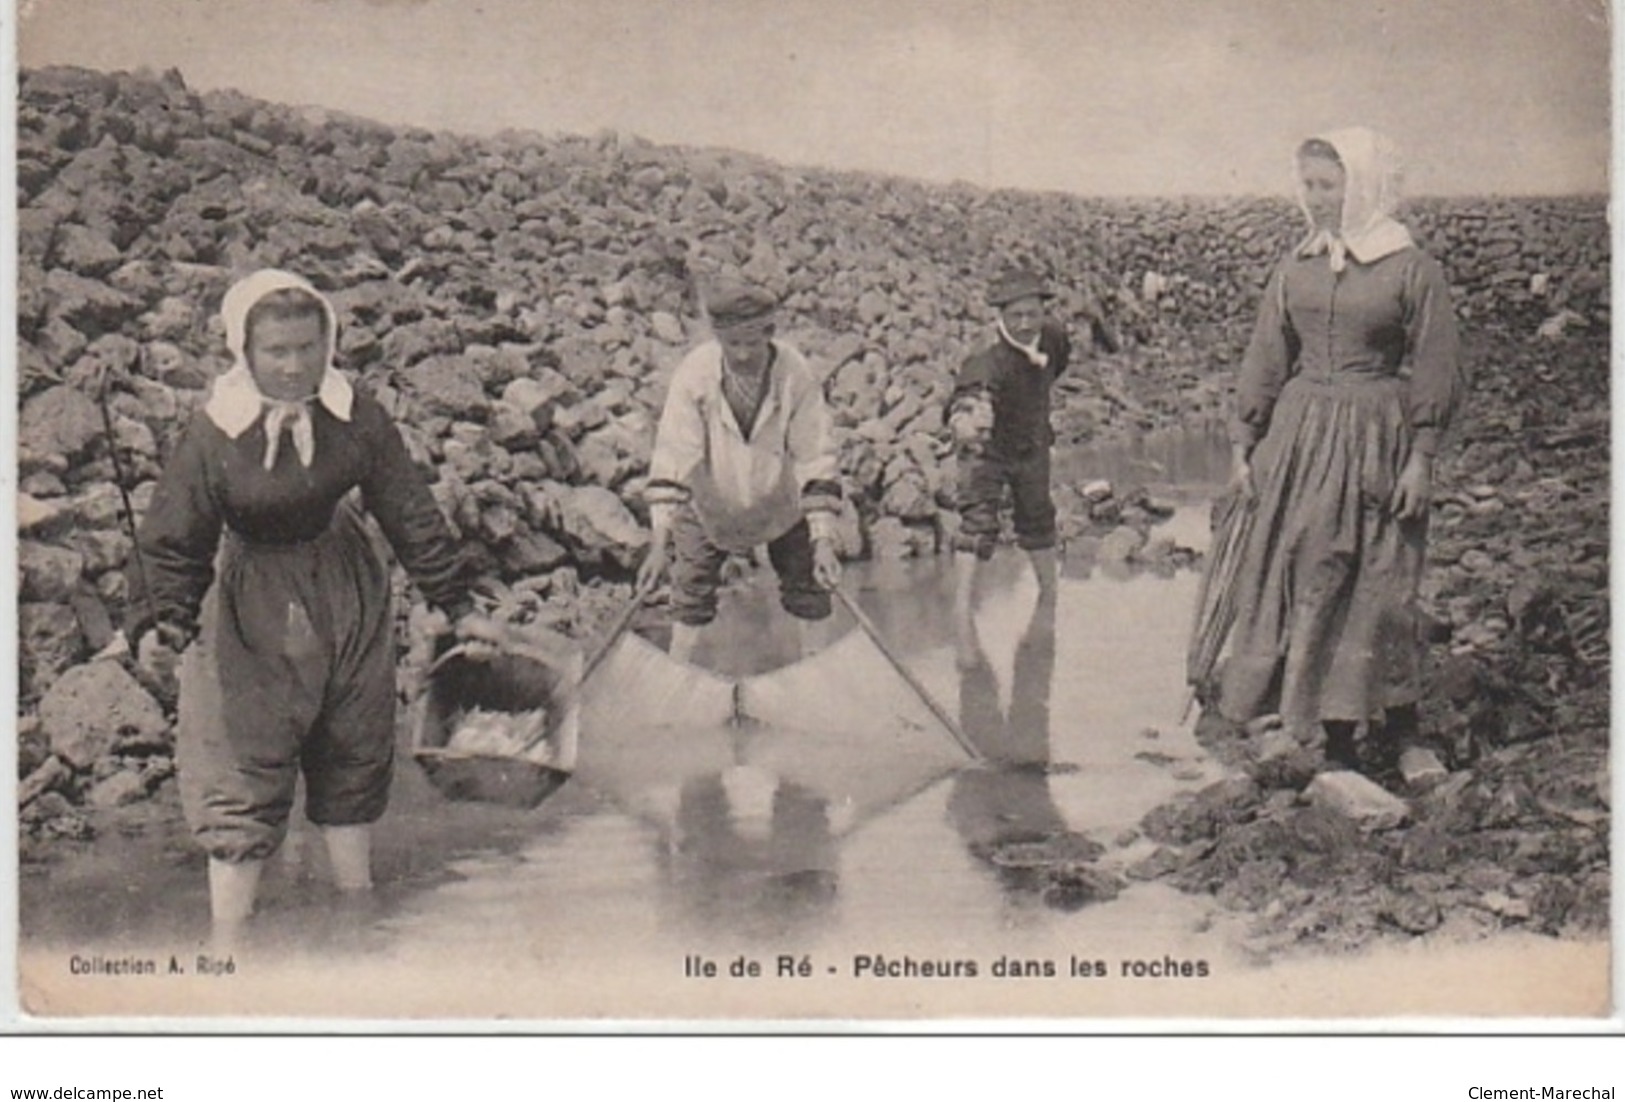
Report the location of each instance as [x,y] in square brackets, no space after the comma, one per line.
[449,387]
[531,553]
[531,393]
[120,788]
[49,640]
[889,540]
[909,497]
[48,573]
[61,421]
[91,708]
[173,366]
[615,452]
[594,521]
[86,251]
[89,305]
[1121,544]
[42,515]
[666,327]
[1357,798]
[584,362]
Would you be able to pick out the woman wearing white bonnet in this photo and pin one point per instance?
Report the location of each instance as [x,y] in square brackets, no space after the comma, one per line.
[292,671]
[1349,382]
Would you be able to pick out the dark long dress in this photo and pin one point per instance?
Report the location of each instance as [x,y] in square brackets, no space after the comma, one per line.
[1347,372]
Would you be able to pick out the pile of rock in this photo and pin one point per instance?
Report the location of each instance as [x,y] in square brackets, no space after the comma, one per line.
[1101,526]
[1515,263]
[1513,831]
[519,301]
[1335,861]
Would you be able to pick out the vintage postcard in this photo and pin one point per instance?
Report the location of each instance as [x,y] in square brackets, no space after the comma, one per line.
[1086,514]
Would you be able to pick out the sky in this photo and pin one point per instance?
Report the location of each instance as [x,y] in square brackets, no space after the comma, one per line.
[1096,97]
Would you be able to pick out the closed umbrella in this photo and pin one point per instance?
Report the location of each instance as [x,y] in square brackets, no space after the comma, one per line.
[1216,596]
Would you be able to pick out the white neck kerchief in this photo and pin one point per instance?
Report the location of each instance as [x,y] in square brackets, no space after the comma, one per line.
[1034,356]
[1372,175]
[235,402]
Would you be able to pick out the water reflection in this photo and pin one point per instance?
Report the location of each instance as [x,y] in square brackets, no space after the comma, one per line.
[1189,464]
[686,839]
[1007,800]
[749,851]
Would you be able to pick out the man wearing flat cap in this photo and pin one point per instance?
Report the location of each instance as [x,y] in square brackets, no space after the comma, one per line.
[999,415]
[744,456]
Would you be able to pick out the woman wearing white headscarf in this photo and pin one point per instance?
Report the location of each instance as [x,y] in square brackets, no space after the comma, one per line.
[293,671]
[1350,379]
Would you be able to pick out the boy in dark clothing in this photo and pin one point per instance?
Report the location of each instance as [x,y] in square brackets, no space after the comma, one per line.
[999,415]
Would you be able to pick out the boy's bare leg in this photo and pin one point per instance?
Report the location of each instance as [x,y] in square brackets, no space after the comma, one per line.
[684,638]
[1047,571]
[965,563]
[349,850]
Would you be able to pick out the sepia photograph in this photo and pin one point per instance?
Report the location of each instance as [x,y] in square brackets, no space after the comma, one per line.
[812,513]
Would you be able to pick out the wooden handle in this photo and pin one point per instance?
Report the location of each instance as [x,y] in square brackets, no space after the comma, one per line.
[618,626]
[943,717]
[571,696]
[454,651]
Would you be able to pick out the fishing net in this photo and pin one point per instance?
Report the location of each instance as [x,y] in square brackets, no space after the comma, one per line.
[637,685]
[843,724]
[648,722]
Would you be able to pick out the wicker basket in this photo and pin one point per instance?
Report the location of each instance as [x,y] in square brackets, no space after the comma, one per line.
[516,678]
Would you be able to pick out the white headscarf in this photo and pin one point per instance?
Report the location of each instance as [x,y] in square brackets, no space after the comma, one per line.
[1372,175]
[236,402]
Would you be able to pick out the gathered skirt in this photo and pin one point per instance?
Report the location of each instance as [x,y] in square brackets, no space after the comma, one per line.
[1327,624]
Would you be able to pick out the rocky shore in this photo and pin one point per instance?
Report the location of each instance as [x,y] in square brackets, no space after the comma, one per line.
[1512,831]
[518,302]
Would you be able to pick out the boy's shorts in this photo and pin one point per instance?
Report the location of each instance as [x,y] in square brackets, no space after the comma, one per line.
[697,572]
[982,483]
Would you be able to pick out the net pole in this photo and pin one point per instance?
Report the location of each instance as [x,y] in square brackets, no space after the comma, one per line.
[873,633]
[618,626]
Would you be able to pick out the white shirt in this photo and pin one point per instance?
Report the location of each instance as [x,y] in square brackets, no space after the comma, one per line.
[746,488]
